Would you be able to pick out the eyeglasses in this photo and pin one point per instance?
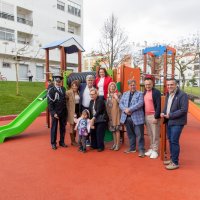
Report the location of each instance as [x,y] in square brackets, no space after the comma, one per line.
[92,94]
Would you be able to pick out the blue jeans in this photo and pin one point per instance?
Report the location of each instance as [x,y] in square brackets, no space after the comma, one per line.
[134,131]
[173,134]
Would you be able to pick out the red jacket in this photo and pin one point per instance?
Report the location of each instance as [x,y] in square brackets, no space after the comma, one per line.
[107,80]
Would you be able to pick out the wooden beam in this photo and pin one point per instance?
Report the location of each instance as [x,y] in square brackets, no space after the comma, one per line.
[79,60]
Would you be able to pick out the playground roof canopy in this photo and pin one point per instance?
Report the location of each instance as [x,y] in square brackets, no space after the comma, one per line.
[159,50]
[70,45]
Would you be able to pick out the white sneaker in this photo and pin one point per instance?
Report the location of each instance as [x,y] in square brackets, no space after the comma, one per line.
[154,155]
[149,152]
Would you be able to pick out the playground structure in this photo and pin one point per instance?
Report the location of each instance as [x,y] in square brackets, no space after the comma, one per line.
[119,75]
[26,117]
[159,51]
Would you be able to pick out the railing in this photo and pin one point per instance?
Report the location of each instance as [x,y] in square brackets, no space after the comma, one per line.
[24,21]
[7,16]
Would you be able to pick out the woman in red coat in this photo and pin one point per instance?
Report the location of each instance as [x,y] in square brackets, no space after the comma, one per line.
[102,82]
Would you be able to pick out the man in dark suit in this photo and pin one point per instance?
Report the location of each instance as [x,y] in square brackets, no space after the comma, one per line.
[175,116]
[58,110]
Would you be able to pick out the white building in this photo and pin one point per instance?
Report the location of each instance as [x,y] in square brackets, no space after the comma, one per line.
[27,25]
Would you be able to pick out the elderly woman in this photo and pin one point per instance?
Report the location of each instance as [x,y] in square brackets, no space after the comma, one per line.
[114,113]
[99,119]
[102,82]
[73,98]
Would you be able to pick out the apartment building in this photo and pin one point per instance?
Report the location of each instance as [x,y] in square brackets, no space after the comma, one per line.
[27,25]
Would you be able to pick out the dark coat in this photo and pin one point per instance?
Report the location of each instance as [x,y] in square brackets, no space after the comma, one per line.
[99,107]
[57,102]
[156,95]
[179,108]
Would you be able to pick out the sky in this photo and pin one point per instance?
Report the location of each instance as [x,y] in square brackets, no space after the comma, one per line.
[152,21]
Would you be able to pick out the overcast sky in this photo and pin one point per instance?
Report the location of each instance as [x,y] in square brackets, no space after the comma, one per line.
[142,20]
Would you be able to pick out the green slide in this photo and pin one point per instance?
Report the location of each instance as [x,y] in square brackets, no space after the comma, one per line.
[24,119]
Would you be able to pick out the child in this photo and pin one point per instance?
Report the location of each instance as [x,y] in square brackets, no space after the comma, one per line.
[83,127]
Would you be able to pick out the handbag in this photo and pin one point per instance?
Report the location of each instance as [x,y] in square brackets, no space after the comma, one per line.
[101,118]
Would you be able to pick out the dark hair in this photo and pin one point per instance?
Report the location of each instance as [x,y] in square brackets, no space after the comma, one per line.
[101,68]
[131,81]
[75,82]
[87,112]
[172,79]
[148,78]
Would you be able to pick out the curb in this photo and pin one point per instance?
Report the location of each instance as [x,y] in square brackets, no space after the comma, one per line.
[10,117]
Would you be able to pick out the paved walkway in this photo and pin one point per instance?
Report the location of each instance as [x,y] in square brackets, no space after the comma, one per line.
[29,170]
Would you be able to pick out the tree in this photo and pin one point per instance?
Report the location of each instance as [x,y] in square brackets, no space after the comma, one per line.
[193,81]
[114,42]
[187,53]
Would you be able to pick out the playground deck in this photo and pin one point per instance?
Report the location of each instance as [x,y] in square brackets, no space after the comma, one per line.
[31,170]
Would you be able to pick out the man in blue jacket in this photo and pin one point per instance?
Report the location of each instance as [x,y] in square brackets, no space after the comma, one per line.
[131,105]
[175,115]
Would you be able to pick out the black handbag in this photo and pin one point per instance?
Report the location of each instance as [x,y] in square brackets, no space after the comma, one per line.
[101,118]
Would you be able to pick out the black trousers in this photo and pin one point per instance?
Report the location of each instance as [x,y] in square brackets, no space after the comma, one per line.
[97,136]
[54,126]
[30,78]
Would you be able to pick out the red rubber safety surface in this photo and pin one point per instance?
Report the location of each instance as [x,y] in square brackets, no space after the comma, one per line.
[30,169]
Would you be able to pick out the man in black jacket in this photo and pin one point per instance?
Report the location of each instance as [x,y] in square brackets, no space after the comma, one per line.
[175,114]
[58,110]
[152,108]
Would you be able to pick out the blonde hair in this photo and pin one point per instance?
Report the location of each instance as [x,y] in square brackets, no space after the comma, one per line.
[94,89]
[112,83]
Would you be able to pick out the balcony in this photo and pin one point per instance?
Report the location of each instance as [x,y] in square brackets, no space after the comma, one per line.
[7,16]
[24,16]
[74,28]
[24,21]
[24,38]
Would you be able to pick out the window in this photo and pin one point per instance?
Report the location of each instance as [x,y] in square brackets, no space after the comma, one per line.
[61,26]
[71,29]
[23,70]
[24,38]
[61,5]
[74,28]
[40,72]
[196,67]
[6,11]
[74,8]
[6,65]
[7,34]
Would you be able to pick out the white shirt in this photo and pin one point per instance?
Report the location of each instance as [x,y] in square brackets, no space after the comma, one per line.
[77,98]
[86,97]
[100,86]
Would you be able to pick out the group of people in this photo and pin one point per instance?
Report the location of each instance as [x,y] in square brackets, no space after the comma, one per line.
[92,107]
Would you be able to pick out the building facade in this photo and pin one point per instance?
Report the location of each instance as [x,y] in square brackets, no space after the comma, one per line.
[27,25]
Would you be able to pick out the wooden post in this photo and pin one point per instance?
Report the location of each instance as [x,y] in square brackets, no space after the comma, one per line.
[79,60]
[165,73]
[163,146]
[173,64]
[153,65]
[47,78]
[145,64]
[122,78]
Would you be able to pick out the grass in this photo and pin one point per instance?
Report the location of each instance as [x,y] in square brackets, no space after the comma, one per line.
[10,103]
[193,90]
